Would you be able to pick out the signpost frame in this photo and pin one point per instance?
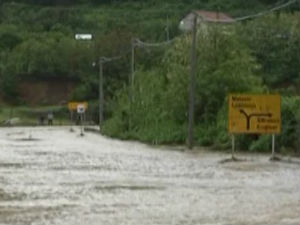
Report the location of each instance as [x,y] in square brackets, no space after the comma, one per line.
[273,147]
[232,146]
[81,111]
[254,114]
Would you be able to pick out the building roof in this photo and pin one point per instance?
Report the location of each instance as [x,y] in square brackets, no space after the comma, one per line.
[217,17]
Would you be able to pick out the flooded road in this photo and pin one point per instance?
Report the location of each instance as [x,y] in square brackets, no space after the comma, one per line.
[62,178]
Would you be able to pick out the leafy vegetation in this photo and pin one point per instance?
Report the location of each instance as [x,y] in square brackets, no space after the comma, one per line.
[160,95]
[256,56]
[274,40]
[228,62]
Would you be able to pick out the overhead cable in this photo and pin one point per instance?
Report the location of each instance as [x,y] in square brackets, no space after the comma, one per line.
[239,19]
[266,12]
[114,58]
[139,43]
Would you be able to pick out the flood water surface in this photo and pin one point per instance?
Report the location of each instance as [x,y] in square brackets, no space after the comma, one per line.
[59,177]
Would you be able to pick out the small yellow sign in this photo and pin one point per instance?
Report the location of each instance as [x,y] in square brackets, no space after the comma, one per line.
[73,105]
[256,114]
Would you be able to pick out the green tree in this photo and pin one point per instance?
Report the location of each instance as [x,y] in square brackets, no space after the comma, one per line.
[159,110]
[9,37]
[275,43]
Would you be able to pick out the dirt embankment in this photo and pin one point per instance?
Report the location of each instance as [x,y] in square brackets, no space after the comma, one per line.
[46,92]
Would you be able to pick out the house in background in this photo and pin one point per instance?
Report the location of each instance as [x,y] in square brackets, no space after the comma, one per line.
[205,18]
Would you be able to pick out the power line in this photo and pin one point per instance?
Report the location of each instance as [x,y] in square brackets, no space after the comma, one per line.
[266,12]
[105,59]
[239,19]
[139,43]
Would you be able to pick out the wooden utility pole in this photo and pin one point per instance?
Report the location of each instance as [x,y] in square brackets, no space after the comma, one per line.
[131,79]
[131,83]
[167,29]
[192,85]
[299,94]
[101,96]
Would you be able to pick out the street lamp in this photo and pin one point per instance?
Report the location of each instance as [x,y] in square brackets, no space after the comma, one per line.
[101,93]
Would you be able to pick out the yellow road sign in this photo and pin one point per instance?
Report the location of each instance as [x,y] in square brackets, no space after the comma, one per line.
[258,114]
[73,105]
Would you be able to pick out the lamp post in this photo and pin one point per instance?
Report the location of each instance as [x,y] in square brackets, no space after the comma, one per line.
[101,61]
[101,95]
[190,141]
[131,82]
[299,97]
[131,77]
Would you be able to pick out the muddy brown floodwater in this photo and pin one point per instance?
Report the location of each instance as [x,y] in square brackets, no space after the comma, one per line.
[59,177]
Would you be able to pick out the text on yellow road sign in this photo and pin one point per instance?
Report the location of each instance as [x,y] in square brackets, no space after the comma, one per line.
[258,114]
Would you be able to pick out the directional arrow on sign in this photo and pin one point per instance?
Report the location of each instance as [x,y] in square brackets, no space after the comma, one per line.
[248,117]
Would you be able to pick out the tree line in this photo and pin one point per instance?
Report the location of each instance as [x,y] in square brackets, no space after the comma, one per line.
[260,55]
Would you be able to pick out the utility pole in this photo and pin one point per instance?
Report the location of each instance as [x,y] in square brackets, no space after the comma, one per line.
[101,96]
[167,29]
[131,78]
[131,83]
[299,94]
[192,85]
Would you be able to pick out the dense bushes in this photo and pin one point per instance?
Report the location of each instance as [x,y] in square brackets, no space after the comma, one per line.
[44,56]
[258,56]
[226,64]
[274,40]
[159,109]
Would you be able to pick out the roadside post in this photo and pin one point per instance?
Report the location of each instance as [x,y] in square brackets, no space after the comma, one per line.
[232,146]
[71,107]
[81,111]
[80,108]
[273,146]
[71,115]
[254,114]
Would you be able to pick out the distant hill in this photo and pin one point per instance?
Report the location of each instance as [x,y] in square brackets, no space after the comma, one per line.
[37,36]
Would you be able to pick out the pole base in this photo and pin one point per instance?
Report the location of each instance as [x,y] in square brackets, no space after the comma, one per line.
[234,159]
[275,158]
